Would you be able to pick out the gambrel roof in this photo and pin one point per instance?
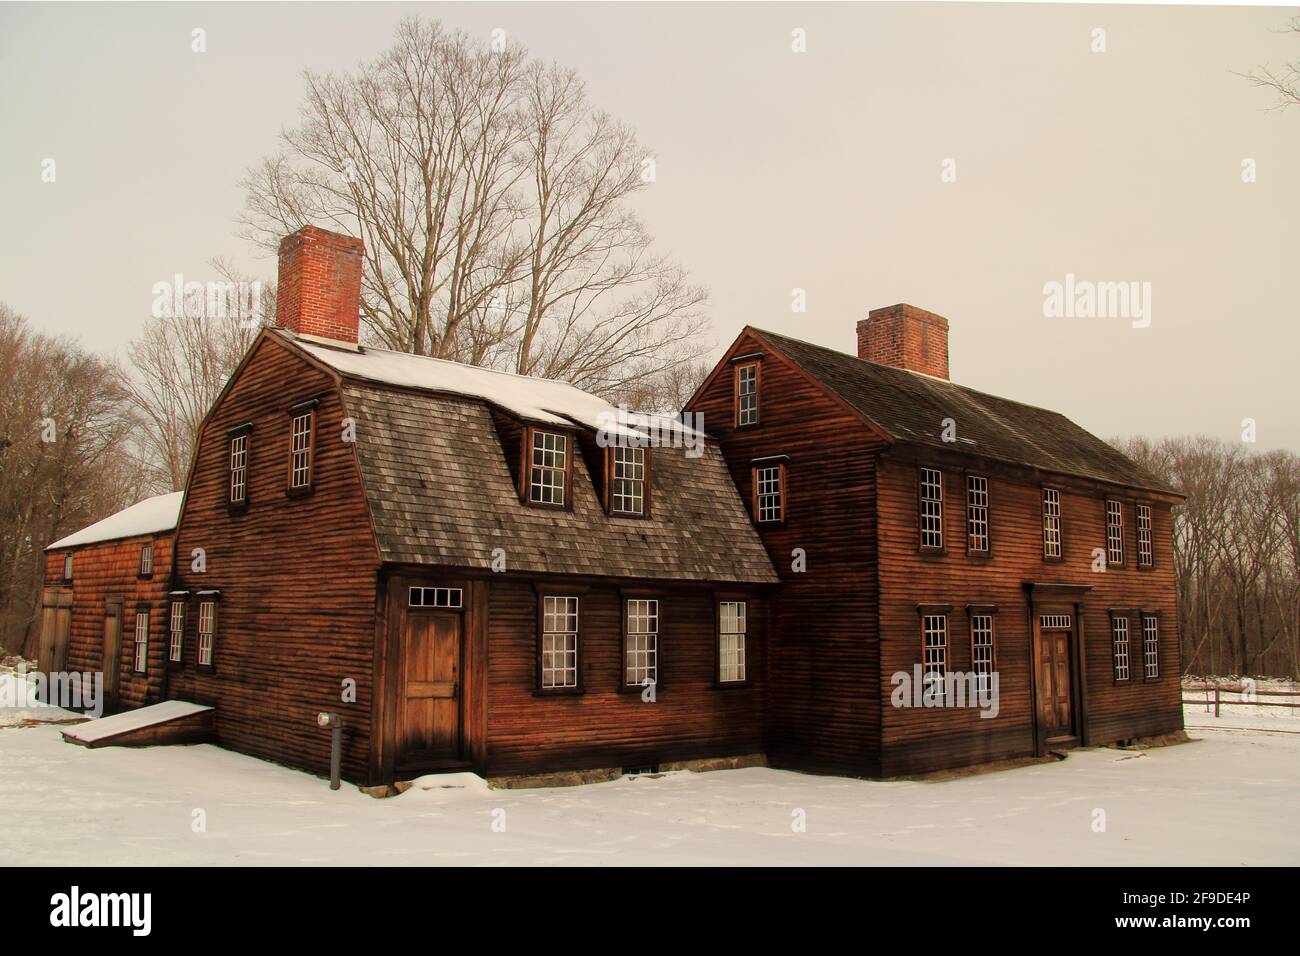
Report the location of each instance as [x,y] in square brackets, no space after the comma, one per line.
[911,407]
[441,491]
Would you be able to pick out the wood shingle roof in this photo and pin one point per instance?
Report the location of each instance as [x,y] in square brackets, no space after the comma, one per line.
[910,407]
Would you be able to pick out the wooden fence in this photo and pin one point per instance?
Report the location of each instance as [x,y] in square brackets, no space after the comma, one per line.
[1245,696]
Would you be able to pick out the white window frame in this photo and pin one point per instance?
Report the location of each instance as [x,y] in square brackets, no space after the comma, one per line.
[451,599]
[769,499]
[300,463]
[747,394]
[981,649]
[628,480]
[641,642]
[140,659]
[176,632]
[146,559]
[1150,647]
[977,514]
[1051,523]
[559,642]
[1114,532]
[239,468]
[732,632]
[1119,642]
[67,566]
[934,654]
[207,632]
[548,468]
[1145,538]
[931,508]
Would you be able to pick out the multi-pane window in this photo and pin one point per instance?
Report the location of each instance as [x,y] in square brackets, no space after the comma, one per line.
[731,641]
[176,631]
[239,468]
[141,641]
[146,558]
[768,502]
[931,508]
[981,650]
[1114,532]
[977,513]
[747,394]
[300,451]
[1145,554]
[627,489]
[207,631]
[641,645]
[934,663]
[1051,523]
[452,598]
[67,567]
[559,642]
[1058,621]
[1119,644]
[1150,646]
[549,462]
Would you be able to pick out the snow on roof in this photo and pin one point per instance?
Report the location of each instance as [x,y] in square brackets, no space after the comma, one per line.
[534,399]
[158,513]
[94,730]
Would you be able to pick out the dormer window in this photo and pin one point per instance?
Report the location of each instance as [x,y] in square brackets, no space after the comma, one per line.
[747,377]
[548,468]
[628,473]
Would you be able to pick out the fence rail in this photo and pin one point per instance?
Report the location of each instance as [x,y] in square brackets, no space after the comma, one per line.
[1218,690]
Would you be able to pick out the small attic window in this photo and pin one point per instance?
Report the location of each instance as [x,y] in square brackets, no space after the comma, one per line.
[67,567]
[628,485]
[747,377]
[548,468]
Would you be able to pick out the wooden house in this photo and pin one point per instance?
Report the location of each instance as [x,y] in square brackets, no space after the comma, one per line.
[924,528]
[105,604]
[480,570]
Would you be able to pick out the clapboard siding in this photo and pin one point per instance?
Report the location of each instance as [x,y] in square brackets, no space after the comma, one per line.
[927,738]
[297,613]
[823,673]
[111,569]
[605,726]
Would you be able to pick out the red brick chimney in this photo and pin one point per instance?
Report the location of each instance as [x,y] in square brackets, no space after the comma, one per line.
[905,337]
[319,288]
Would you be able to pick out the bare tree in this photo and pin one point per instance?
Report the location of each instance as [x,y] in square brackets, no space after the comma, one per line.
[1283,82]
[493,201]
[64,461]
[178,366]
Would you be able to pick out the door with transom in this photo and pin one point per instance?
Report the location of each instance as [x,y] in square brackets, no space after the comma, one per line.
[1055,676]
[429,708]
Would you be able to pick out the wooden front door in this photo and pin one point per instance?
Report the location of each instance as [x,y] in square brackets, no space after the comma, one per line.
[112,662]
[1055,697]
[429,704]
[56,627]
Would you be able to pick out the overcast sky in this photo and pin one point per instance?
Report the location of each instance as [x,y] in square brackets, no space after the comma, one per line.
[776,170]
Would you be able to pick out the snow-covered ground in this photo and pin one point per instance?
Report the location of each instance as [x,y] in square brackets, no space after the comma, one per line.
[1233,798]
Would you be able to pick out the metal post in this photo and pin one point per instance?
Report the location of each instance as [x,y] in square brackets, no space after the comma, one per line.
[335,723]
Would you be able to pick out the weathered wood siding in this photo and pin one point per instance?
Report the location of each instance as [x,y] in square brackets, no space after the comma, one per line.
[111,569]
[823,671]
[297,575]
[929,738]
[605,726]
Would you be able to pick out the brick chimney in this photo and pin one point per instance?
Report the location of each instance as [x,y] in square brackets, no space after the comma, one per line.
[319,288]
[905,337]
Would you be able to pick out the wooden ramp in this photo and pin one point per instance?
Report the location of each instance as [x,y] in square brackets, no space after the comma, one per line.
[171,722]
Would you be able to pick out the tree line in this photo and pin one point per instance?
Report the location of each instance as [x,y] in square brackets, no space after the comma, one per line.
[1236,553]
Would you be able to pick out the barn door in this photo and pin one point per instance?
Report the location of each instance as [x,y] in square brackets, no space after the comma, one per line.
[1055,677]
[429,711]
[112,662]
[56,626]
